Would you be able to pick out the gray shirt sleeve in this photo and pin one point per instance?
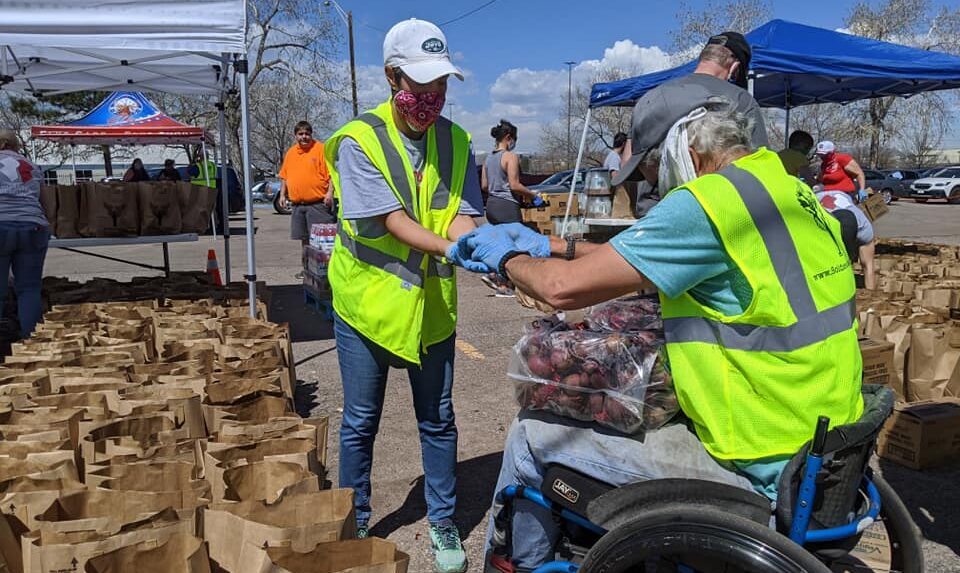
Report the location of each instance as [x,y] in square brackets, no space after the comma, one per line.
[471,203]
[364,193]
[759,136]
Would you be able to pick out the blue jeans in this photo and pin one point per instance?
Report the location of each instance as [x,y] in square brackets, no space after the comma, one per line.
[363,370]
[23,247]
[538,439]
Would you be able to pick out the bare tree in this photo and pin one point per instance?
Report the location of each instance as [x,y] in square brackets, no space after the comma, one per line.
[290,36]
[695,24]
[923,134]
[605,122]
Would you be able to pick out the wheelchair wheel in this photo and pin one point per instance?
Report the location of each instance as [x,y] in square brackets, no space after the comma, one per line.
[893,543]
[701,539]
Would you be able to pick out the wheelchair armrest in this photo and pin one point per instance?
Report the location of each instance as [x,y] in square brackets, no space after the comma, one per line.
[619,505]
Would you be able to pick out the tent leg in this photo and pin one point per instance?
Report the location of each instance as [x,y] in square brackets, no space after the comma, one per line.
[73,153]
[786,130]
[576,169]
[251,275]
[224,185]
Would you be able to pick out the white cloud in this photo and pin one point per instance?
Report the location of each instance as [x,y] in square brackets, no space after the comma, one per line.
[532,98]
[529,98]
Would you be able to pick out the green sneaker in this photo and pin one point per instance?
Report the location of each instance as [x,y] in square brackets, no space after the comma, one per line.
[450,556]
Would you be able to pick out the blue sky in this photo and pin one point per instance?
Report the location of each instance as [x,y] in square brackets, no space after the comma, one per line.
[512,51]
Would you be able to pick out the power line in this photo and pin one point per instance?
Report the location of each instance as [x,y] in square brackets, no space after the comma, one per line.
[465,14]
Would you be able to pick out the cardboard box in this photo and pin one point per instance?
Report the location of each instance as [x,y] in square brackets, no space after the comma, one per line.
[536,215]
[558,205]
[922,434]
[877,361]
[874,207]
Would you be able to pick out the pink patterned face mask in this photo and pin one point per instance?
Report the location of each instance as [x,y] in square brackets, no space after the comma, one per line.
[419,110]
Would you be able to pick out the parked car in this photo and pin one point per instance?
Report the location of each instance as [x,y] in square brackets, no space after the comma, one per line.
[560,182]
[888,186]
[906,178]
[268,191]
[944,184]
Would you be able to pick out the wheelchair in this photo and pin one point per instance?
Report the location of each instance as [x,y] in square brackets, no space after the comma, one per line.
[828,500]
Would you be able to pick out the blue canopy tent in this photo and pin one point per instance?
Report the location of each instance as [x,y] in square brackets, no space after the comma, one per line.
[794,65]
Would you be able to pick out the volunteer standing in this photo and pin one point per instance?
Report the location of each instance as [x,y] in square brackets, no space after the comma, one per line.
[407,188]
[305,183]
[500,177]
[24,231]
[838,171]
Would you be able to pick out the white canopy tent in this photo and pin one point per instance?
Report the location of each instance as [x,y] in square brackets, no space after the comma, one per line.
[52,47]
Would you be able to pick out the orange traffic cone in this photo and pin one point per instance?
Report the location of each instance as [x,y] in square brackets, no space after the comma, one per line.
[213,268]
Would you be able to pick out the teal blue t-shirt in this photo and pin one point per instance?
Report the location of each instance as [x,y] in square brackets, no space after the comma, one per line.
[677,247]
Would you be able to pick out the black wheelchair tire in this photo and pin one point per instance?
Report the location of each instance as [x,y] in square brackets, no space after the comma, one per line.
[905,537]
[698,531]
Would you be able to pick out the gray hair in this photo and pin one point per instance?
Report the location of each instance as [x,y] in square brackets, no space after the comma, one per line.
[719,133]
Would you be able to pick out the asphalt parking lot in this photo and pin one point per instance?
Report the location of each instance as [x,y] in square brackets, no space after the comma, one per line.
[483,397]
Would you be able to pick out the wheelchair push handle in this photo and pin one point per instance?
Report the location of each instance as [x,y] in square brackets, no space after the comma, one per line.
[820,436]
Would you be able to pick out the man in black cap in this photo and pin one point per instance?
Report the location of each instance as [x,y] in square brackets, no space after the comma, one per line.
[722,70]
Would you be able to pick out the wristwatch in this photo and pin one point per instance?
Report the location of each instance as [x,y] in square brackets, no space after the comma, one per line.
[571,249]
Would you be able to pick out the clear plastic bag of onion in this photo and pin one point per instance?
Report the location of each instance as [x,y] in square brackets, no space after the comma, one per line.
[587,372]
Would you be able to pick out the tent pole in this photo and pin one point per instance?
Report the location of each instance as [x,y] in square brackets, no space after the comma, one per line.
[73,152]
[251,275]
[224,185]
[576,169]
[786,130]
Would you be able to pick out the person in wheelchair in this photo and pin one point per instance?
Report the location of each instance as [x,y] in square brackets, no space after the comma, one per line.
[757,297]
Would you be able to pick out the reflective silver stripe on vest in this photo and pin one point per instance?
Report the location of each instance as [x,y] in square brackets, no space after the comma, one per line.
[398,173]
[443,132]
[772,228]
[804,332]
[408,270]
[437,269]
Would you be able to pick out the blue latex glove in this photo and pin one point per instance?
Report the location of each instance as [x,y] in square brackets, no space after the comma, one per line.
[527,240]
[538,201]
[862,195]
[488,245]
[458,255]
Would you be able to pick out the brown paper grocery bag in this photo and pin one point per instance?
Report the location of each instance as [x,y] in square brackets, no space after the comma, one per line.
[267,481]
[159,208]
[238,532]
[55,552]
[68,212]
[177,554]
[369,555]
[110,210]
[26,497]
[196,204]
[48,201]
[259,409]
[934,361]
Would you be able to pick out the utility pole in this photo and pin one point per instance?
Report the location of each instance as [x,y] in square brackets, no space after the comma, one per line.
[451,106]
[353,64]
[569,111]
[347,17]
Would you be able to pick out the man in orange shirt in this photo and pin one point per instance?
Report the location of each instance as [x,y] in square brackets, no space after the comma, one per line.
[305,184]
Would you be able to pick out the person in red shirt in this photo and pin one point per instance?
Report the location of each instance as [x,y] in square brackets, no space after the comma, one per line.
[838,171]
[305,183]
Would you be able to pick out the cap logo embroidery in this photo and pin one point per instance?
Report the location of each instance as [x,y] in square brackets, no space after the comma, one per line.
[433,46]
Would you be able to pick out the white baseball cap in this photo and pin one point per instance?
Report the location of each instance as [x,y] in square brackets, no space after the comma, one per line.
[419,48]
[825,147]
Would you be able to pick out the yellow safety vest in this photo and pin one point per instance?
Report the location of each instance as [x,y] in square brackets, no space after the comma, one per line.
[210,178]
[400,298]
[754,384]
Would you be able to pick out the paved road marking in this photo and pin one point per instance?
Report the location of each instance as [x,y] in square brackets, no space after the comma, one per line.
[469,349]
